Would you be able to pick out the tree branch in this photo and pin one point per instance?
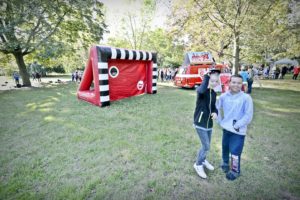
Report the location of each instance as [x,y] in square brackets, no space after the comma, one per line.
[33,31]
[3,38]
[245,13]
[238,12]
[142,34]
[207,15]
[49,35]
[5,51]
[132,30]
[221,15]
[215,50]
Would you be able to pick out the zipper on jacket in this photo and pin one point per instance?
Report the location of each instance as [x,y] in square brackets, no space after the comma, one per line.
[209,107]
[200,117]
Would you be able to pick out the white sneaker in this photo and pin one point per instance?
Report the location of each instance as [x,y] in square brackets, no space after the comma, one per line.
[208,165]
[200,170]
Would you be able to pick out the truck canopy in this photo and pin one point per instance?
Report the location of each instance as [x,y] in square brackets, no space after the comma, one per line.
[194,58]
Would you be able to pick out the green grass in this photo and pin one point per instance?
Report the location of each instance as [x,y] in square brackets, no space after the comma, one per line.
[55,147]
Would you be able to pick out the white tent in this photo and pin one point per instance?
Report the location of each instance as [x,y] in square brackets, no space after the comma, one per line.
[287,61]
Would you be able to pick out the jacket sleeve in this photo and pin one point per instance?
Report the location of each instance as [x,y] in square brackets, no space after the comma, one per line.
[219,107]
[246,119]
[203,87]
[214,108]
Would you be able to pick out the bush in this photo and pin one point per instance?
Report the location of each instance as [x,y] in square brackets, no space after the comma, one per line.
[59,69]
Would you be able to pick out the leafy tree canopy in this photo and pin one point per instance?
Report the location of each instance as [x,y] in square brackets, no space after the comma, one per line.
[48,28]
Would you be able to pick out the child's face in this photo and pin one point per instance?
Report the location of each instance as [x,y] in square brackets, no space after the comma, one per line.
[213,81]
[235,84]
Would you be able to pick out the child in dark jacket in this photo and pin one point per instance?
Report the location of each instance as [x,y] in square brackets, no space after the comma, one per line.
[204,113]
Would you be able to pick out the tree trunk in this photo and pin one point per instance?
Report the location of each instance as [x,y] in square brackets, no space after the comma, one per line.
[236,54]
[22,69]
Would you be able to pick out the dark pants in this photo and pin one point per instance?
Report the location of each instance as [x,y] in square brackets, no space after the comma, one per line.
[232,143]
[250,82]
[295,76]
[17,81]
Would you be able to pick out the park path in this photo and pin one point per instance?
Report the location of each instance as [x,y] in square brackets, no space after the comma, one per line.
[7,83]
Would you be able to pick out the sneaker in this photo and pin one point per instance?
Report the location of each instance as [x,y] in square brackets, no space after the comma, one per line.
[225,168]
[231,175]
[208,165]
[200,170]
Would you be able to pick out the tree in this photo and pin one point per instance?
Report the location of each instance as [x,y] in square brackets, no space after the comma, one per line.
[135,26]
[30,25]
[272,37]
[137,33]
[170,52]
[220,26]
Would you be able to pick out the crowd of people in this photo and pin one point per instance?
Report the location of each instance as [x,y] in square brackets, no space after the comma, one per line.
[249,75]
[37,76]
[167,74]
[277,72]
[76,76]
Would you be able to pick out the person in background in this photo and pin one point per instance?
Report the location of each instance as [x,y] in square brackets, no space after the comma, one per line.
[162,75]
[256,76]
[291,68]
[283,71]
[245,77]
[73,76]
[38,76]
[16,78]
[175,73]
[277,72]
[33,76]
[265,73]
[235,110]
[80,73]
[250,79]
[76,76]
[273,72]
[296,72]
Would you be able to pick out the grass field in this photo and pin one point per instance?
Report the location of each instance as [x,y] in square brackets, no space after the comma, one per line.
[55,147]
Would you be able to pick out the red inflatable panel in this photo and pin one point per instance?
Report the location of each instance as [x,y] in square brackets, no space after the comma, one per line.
[130,81]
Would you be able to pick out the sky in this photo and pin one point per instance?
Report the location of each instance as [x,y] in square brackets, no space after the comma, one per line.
[116,9]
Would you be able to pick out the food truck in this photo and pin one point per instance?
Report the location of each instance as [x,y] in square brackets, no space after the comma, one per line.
[195,65]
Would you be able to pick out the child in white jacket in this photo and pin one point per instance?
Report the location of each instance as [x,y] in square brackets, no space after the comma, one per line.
[237,109]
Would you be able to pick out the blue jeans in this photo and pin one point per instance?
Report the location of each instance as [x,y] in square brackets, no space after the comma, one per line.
[232,143]
[205,137]
[250,82]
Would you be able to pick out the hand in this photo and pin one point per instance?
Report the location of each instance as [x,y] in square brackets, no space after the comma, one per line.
[235,128]
[207,72]
[214,115]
